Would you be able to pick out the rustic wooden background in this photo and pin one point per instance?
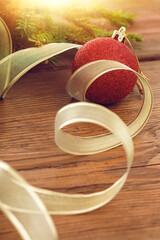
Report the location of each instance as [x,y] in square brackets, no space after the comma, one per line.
[27,144]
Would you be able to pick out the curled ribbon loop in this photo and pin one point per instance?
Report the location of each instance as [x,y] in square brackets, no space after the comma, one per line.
[83,77]
[28,207]
[23,207]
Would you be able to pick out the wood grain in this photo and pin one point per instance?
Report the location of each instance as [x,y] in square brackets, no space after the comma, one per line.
[27,144]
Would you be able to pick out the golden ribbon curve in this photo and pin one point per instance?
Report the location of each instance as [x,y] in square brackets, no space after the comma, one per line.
[28,207]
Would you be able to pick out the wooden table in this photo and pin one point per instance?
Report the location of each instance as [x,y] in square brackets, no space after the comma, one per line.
[27,144]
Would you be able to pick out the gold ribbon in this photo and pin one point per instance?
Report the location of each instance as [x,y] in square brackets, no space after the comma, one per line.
[28,207]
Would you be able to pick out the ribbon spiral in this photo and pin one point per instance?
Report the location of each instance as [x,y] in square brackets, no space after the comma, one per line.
[28,207]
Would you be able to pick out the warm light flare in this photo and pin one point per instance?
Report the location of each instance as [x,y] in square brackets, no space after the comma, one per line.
[61,3]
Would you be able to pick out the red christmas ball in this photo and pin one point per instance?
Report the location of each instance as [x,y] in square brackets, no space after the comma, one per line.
[113,86]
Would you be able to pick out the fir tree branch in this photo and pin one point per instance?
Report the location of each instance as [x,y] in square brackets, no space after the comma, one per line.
[135,37]
[117,18]
[26,24]
[37,26]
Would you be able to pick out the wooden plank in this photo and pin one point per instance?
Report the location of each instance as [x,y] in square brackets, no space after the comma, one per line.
[27,144]
[147,23]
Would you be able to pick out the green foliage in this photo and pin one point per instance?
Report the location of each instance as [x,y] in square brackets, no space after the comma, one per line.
[119,18]
[26,24]
[135,37]
[41,38]
[36,26]
[54,61]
